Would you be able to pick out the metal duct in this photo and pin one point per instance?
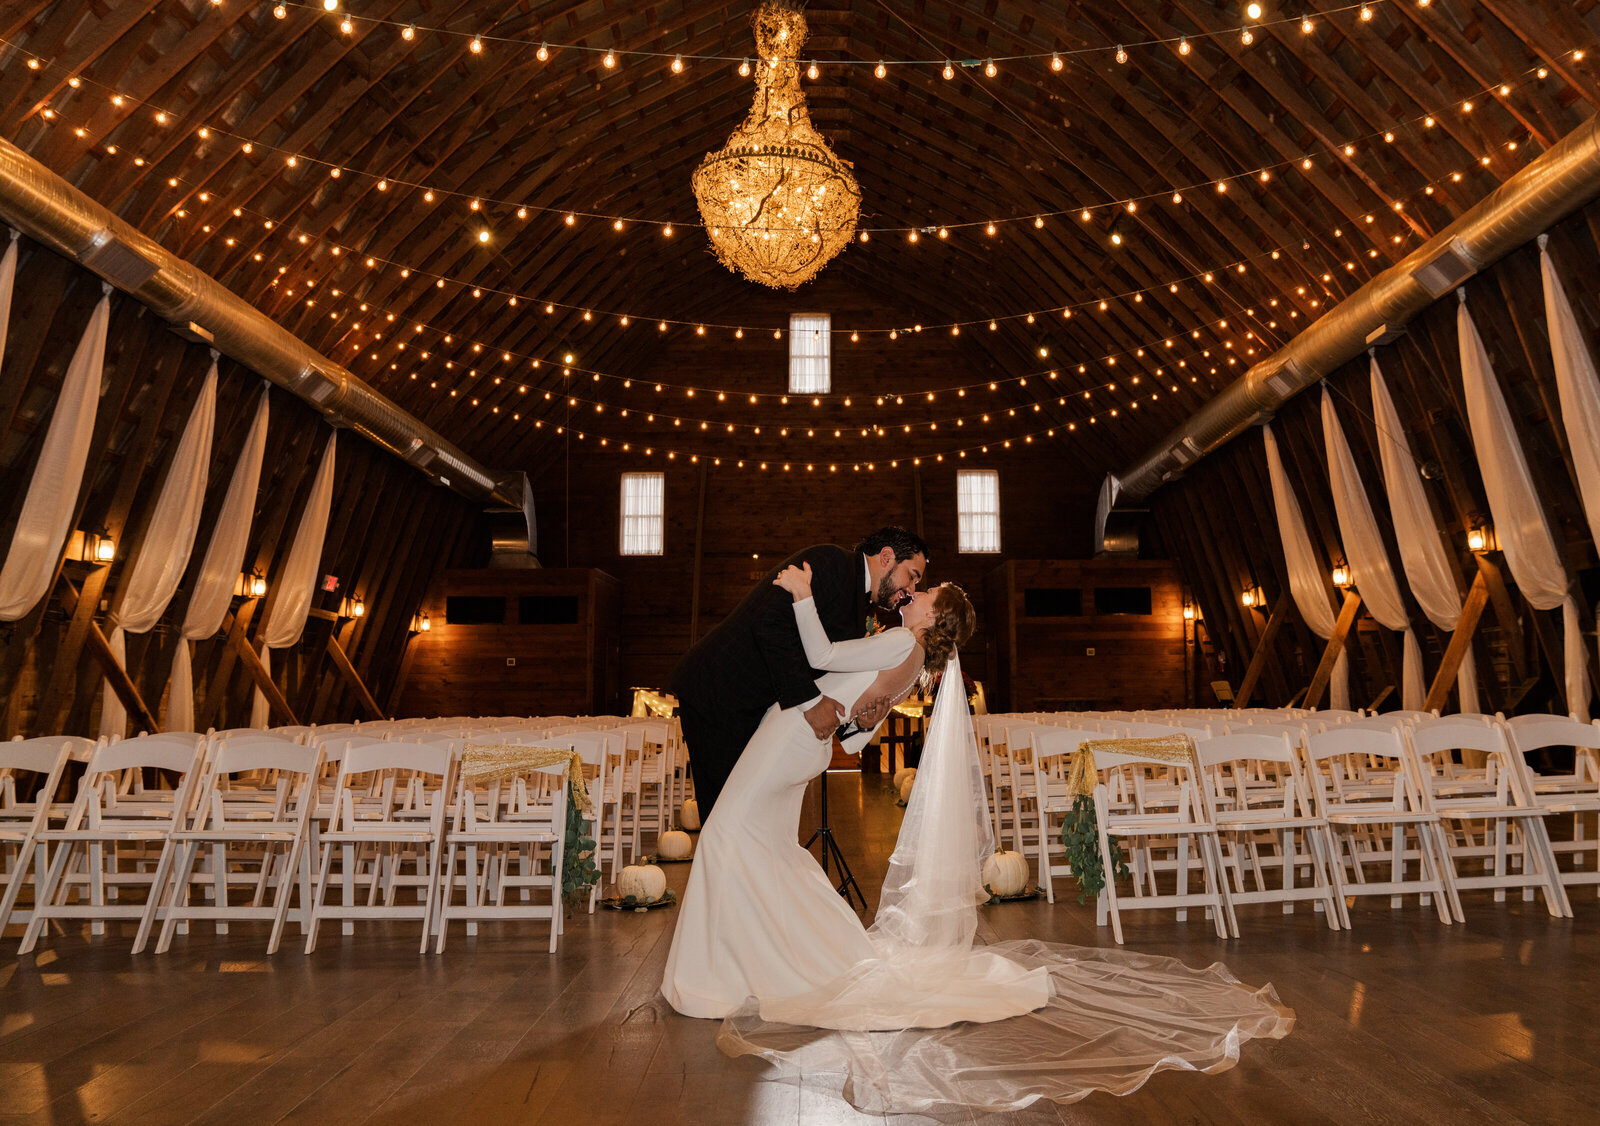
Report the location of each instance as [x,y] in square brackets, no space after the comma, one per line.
[1546,191]
[46,208]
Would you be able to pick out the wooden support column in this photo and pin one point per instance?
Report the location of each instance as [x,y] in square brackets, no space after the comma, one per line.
[1460,644]
[1330,655]
[218,687]
[258,673]
[100,649]
[1505,611]
[64,675]
[348,671]
[1258,659]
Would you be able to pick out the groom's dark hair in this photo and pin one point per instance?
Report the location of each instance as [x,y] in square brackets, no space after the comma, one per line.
[905,544]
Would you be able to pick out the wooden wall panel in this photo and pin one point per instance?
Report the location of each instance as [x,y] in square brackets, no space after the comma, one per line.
[513,667]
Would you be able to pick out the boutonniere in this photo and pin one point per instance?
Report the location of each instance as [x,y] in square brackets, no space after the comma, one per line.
[873,624]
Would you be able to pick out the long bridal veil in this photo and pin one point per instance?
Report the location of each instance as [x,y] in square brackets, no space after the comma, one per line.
[933,1020]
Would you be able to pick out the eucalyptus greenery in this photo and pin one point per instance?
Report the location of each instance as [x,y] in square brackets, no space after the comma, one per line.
[1081,835]
[578,869]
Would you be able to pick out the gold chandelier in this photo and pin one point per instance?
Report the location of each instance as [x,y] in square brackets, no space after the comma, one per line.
[776,201]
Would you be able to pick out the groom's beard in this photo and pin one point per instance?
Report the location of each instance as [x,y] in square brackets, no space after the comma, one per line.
[888,596]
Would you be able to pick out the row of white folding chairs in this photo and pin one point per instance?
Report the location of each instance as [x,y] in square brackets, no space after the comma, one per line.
[1438,813]
[388,809]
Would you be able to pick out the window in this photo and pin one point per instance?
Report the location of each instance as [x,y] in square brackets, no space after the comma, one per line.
[978,510]
[643,513]
[810,345]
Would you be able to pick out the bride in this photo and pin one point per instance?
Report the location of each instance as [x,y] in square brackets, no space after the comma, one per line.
[920,1017]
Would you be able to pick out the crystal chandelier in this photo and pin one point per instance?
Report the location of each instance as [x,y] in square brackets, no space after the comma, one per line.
[777,203]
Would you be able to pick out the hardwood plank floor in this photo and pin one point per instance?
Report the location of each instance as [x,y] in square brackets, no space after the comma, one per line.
[1400,1020]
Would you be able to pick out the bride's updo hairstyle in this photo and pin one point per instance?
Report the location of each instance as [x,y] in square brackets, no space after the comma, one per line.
[953,622]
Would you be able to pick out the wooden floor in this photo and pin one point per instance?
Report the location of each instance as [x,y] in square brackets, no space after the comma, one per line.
[1401,1020]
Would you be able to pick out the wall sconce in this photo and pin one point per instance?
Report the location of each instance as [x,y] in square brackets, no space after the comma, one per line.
[421,623]
[352,607]
[92,547]
[1188,612]
[1482,538]
[1341,576]
[250,585]
[1253,597]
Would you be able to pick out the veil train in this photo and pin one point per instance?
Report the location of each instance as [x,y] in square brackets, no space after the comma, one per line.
[935,1020]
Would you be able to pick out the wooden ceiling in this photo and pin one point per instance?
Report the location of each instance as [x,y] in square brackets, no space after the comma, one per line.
[148,106]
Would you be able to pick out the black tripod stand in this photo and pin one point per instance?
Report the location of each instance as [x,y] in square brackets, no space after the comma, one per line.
[830,847]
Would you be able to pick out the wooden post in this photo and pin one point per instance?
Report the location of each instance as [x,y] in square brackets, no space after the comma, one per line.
[1460,644]
[258,672]
[219,681]
[1505,612]
[1258,659]
[348,671]
[115,674]
[1330,655]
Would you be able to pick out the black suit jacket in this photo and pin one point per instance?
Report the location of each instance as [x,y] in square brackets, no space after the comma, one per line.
[755,658]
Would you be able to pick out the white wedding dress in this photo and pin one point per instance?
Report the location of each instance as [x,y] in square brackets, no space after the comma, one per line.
[909,1015]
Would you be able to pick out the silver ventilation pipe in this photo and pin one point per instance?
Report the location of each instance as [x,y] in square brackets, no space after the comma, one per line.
[46,208]
[1546,191]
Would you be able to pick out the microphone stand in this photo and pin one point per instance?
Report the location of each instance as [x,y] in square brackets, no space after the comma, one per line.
[830,847]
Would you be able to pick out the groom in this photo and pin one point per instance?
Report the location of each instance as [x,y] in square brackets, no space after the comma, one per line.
[754,658]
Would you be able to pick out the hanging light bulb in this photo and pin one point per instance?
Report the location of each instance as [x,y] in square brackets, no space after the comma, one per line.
[812,72]
[408,33]
[1252,10]
[990,69]
[1246,37]
[1055,61]
[949,71]
[1183,44]
[880,70]
[744,68]
[543,53]
[280,12]
[1122,56]
[1306,25]
[677,64]
[610,60]
[476,46]
[331,5]
[1366,13]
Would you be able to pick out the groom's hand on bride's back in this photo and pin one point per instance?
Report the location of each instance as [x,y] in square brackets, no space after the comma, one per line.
[824,717]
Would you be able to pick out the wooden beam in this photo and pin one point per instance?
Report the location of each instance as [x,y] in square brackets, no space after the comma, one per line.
[218,688]
[348,671]
[1330,655]
[100,649]
[1460,644]
[1505,611]
[258,672]
[1258,659]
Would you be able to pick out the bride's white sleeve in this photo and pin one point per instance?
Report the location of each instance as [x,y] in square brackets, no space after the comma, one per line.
[867,654]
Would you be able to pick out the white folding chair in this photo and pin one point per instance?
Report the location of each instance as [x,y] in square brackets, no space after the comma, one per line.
[252,841]
[1266,823]
[401,822]
[1177,822]
[605,765]
[22,818]
[1575,794]
[1499,798]
[1053,748]
[517,822]
[117,841]
[1367,793]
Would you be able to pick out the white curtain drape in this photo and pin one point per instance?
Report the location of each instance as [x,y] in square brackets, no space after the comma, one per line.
[154,574]
[8,283]
[220,568]
[1307,579]
[1423,556]
[1519,519]
[1365,553]
[297,583]
[1579,389]
[52,498]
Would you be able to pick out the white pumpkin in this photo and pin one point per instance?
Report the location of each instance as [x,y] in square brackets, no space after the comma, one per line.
[645,882]
[909,780]
[901,775]
[1006,873]
[675,845]
[689,815]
